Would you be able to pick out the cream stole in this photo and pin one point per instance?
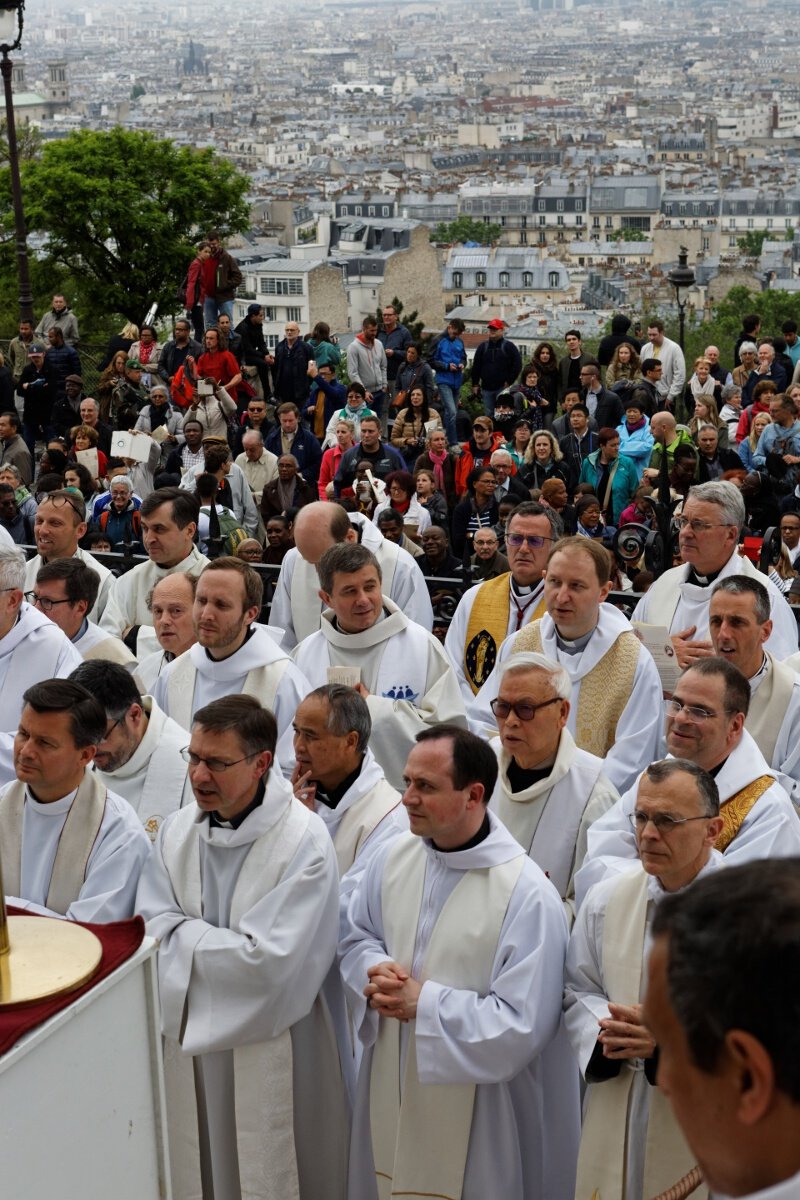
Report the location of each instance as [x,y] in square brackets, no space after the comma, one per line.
[768,707]
[264,1094]
[262,682]
[359,821]
[420,1141]
[304,590]
[604,691]
[602,1158]
[78,836]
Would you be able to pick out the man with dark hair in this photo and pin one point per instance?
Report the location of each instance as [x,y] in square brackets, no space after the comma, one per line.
[58,526]
[630,1143]
[490,612]
[296,607]
[221,277]
[254,347]
[70,847]
[705,723]
[189,456]
[496,365]
[233,654]
[65,591]
[673,365]
[14,450]
[645,390]
[233,490]
[616,691]
[604,406]
[399,668]
[13,521]
[60,316]
[581,441]
[176,349]
[139,756]
[169,525]
[290,437]
[751,327]
[569,367]
[395,339]
[241,892]
[367,364]
[391,525]
[722,1004]
[382,458]
[435,984]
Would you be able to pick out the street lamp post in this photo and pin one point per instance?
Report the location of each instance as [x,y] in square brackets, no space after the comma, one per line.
[11,18]
[681,277]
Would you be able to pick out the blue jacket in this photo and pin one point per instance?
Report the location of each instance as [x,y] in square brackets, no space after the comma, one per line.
[777,440]
[305,448]
[623,485]
[637,446]
[447,351]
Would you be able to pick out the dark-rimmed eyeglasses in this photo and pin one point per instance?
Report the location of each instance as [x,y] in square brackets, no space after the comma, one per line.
[534,540]
[521,709]
[215,765]
[44,604]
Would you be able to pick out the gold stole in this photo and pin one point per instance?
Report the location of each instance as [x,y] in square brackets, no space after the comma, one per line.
[734,810]
[487,628]
[78,836]
[605,690]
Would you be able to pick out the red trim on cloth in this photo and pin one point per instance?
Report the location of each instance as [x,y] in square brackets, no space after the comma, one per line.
[120,940]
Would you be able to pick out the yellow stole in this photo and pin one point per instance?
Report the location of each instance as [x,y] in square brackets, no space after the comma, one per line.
[487,628]
[734,810]
[605,690]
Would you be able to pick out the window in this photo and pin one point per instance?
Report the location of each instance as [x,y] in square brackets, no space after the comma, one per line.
[543,220]
[457,279]
[294,314]
[732,241]
[480,279]
[523,237]
[458,300]
[371,210]
[541,206]
[559,205]
[609,222]
[681,210]
[579,205]
[503,206]
[269,286]
[468,206]
[560,219]
[667,210]
[579,219]
[769,222]
[385,210]
[527,279]
[750,223]
[553,279]
[706,243]
[523,222]
[272,340]
[486,206]
[595,222]
[358,210]
[505,279]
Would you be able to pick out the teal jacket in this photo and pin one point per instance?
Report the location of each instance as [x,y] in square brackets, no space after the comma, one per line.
[623,485]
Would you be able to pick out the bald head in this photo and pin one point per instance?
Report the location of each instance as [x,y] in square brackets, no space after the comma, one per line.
[319,526]
[663,427]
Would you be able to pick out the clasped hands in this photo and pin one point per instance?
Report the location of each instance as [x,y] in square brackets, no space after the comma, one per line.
[392,992]
[623,1034]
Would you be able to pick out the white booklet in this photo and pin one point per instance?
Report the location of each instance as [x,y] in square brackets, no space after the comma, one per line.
[657,640]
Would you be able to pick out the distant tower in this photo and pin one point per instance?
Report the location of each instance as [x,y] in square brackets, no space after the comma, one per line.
[57,89]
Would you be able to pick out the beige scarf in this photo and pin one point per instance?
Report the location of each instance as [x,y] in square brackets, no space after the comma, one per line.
[604,691]
[420,1142]
[263,1084]
[768,707]
[601,1162]
[359,821]
[78,836]
[262,682]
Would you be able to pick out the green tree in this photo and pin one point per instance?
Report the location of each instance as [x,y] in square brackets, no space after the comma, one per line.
[411,320]
[752,242]
[121,210]
[626,235]
[466,229]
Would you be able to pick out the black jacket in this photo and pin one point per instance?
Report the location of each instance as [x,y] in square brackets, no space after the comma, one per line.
[253,345]
[496,364]
[172,357]
[386,460]
[620,324]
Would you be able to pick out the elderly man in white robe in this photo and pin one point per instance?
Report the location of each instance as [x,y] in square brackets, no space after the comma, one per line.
[140,756]
[71,848]
[548,791]
[401,670]
[169,525]
[58,526]
[171,604]
[453,964]
[490,612]
[631,1145]
[232,655]
[710,528]
[242,894]
[616,701]
[705,724]
[65,591]
[740,625]
[296,609]
[32,647]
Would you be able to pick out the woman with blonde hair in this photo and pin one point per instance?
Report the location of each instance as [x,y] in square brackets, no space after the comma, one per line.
[120,341]
[706,413]
[543,460]
[747,448]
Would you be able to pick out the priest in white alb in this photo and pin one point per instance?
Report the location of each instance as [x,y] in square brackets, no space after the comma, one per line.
[548,791]
[140,756]
[70,847]
[58,526]
[710,529]
[296,608]
[233,655]
[616,707]
[169,525]
[453,965]
[492,611]
[32,647]
[65,591]
[242,894]
[401,670]
[631,1144]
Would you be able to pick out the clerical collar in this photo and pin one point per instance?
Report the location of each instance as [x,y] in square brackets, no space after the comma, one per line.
[577,645]
[701,580]
[81,631]
[522,778]
[521,590]
[247,637]
[474,841]
[756,679]
[383,613]
[334,796]
[714,771]
[236,821]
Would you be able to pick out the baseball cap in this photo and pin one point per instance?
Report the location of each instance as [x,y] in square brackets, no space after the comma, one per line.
[496,323]
[36,348]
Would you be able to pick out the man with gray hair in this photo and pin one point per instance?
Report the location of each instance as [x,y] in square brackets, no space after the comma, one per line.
[509,486]
[709,527]
[548,791]
[258,465]
[32,647]
[631,1145]
[766,368]
[399,668]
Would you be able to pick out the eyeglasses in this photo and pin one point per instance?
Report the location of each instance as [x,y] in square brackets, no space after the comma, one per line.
[700,526]
[215,765]
[534,540]
[691,711]
[525,712]
[34,598]
[663,822]
[118,721]
[57,501]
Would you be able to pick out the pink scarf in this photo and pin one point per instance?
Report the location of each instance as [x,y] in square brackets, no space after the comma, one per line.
[438,461]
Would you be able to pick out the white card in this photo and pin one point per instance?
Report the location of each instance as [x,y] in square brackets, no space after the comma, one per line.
[346,676]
